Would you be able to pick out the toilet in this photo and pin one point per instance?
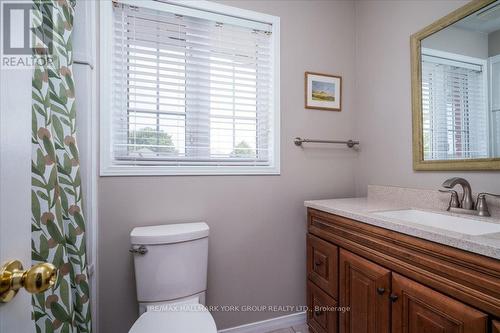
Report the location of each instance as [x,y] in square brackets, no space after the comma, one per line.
[170,264]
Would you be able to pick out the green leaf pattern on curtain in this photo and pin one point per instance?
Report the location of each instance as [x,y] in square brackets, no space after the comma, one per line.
[58,225]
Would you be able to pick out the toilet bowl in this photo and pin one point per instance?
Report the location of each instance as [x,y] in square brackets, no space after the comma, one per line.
[170,264]
[197,320]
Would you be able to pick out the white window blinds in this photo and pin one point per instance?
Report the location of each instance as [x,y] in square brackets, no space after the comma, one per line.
[191,91]
[455,113]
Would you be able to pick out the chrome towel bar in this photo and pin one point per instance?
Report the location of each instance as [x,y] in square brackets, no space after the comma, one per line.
[86,63]
[350,143]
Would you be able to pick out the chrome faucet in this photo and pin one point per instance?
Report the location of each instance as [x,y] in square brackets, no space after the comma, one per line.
[466,205]
[467,201]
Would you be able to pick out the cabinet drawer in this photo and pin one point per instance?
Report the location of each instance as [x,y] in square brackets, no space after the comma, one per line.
[322,264]
[321,314]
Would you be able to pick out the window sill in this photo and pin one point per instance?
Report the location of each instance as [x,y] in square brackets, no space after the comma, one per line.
[161,170]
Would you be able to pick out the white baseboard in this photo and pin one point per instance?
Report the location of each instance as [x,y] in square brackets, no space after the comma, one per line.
[268,325]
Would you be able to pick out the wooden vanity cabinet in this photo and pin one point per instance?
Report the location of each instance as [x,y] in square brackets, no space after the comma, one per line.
[396,283]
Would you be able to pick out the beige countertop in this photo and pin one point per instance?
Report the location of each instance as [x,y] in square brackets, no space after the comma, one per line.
[363,209]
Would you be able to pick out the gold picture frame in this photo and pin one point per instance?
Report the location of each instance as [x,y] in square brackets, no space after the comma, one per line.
[322,91]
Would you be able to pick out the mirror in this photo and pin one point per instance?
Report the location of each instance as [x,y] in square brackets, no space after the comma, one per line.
[456,90]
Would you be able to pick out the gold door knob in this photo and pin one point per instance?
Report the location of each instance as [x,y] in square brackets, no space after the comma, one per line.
[35,280]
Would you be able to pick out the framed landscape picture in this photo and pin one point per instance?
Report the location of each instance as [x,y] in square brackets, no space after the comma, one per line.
[323,91]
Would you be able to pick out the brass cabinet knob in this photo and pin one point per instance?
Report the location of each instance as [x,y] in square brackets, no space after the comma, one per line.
[35,280]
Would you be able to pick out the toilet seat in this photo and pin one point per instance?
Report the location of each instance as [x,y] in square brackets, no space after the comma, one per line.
[197,320]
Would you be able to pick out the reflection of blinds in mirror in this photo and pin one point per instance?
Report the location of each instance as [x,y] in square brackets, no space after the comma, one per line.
[455,117]
[495,102]
[496,133]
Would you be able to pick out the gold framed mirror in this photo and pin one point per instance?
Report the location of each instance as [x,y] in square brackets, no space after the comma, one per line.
[455,78]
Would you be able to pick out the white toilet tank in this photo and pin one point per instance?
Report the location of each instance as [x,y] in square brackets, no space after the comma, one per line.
[170,261]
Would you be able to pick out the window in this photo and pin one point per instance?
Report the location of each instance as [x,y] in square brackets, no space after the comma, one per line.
[188,90]
[455,108]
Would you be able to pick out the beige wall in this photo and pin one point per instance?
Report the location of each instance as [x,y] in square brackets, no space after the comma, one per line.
[459,41]
[383,110]
[494,43]
[257,241]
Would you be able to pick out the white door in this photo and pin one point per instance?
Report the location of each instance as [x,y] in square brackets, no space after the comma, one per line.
[15,176]
[15,187]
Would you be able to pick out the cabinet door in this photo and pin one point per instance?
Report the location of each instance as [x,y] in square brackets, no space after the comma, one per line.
[322,264]
[322,312]
[495,326]
[364,288]
[418,309]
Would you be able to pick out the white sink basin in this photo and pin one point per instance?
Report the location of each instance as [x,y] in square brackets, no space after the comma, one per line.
[441,221]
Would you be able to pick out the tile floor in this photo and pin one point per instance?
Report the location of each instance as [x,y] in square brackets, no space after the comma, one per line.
[294,329]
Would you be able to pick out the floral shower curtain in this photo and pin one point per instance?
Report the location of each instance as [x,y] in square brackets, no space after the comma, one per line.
[58,225]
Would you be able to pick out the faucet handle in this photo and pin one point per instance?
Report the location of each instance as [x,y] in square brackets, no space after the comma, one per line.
[483,194]
[454,202]
[481,205]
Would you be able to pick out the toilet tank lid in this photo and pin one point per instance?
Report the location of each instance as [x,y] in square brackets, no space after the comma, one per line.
[169,233]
